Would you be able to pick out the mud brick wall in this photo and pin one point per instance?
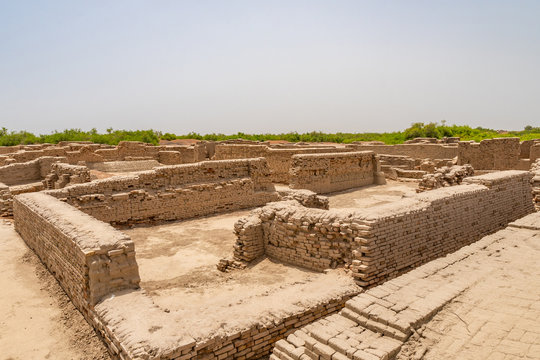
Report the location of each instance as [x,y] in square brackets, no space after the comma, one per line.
[88,152]
[257,342]
[20,172]
[387,240]
[62,175]
[432,224]
[170,342]
[89,258]
[315,239]
[491,154]
[174,192]
[535,170]
[279,160]
[417,151]
[323,173]
[534,151]
[33,170]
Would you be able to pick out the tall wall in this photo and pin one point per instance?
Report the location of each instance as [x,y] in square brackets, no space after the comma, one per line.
[323,173]
[417,151]
[174,192]
[89,258]
[386,240]
[490,154]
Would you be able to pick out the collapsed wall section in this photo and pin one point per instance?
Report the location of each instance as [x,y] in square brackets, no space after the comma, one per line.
[174,192]
[388,239]
[89,258]
[329,172]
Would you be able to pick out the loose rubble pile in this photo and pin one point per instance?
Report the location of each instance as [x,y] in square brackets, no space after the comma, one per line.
[535,169]
[445,176]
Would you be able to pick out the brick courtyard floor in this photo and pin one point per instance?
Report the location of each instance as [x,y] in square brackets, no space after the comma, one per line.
[496,318]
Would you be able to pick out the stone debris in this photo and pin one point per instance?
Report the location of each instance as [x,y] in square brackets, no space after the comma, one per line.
[445,176]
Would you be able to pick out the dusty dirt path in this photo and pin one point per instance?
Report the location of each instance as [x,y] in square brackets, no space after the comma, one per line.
[37,319]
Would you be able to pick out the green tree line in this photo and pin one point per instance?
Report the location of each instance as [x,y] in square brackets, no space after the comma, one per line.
[113,137]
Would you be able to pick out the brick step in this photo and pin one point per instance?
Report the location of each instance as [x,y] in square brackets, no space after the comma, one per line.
[335,338]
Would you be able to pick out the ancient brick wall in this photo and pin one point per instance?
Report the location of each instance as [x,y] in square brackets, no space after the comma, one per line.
[388,239]
[89,258]
[329,172]
[417,151]
[535,170]
[490,154]
[279,159]
[174,192]
[534,152]
[62,175]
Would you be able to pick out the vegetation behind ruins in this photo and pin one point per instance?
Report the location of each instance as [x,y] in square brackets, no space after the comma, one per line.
[112,137]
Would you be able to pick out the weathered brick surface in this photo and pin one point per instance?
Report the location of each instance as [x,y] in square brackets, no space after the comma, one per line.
[279,159]
[416,151]
[389,239]
[490,154]
[62,175]
[89,258]
[376,323]
[174,192]
[323,173]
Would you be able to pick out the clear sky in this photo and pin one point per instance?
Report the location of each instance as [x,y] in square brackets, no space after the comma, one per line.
[268,66]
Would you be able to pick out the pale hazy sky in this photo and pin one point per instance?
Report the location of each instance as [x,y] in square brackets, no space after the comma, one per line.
[268,66]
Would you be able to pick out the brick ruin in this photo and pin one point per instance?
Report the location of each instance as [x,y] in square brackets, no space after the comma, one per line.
[70,203]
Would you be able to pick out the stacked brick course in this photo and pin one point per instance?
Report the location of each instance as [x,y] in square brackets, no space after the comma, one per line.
[174,192]
[62,175]
[389,239]
[490,154]
[279,159]
[323,173]
[415,151]
[89,258]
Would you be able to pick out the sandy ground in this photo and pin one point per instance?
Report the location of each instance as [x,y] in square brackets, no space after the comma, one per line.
[38,321]
[372,195]
[177,263]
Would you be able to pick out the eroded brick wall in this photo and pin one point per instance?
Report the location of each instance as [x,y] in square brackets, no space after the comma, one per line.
[174,192]
[416,151]
[490,154]
[279,159]
[386,240]
[323,173]
[89,258]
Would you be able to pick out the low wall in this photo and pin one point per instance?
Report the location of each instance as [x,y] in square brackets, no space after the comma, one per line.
[125,151]
[329,172]
[89,258]
[62,175]
[174,192]
[125,166]
[386,240]
[416,151]
[279,159]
